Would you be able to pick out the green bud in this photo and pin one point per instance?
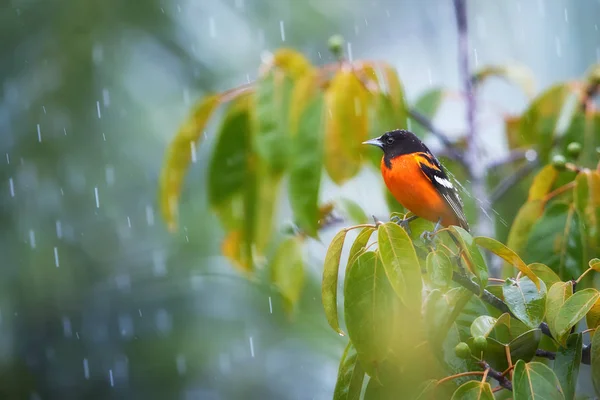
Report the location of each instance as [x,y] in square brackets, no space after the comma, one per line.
[559,161]
[462,350]
[574,149]
[336,43]
[480,343]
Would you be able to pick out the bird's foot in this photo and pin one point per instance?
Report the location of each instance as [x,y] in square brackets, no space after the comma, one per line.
[429,236]
[404,223]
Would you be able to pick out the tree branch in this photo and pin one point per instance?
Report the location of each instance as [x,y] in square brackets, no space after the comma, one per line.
[545,354]
[502,380]
[507,183]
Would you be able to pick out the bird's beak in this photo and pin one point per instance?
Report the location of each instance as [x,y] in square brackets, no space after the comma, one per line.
[374,142]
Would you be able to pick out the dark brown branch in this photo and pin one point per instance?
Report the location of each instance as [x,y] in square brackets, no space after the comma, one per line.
[545,354]
[502,380]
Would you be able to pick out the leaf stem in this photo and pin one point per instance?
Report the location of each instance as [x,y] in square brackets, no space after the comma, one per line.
[582,275]
[449,378]
[558,191]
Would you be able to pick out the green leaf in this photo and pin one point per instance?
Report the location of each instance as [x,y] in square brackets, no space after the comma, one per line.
[329,286]
[306,166]
[179,156]
[360,243]
[556,241]
[474,390]
[525,301]
[544,273]
[426,390]
[517,74]
[525,345]
[595,264]
[566,365]
[439,269]
[508,255]
[557,295]
[428,105]
[595,360]
[592,318]
[401,264]
[382,118]
[353,212]
[473,255]
[535,380]
[369,302]
[573,310]
[350,376]
[524,221]
[436,312]
[543,183]
[287,270]
[539,121]
[272,100]
[483,326]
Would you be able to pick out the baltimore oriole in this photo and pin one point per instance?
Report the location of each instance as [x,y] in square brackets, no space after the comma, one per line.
[418,181]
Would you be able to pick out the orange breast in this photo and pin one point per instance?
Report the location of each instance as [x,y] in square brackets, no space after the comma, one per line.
[411,188]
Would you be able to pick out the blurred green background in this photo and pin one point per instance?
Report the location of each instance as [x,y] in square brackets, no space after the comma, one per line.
[97,300]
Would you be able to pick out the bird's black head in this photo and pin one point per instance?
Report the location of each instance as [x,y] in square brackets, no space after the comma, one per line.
[396,143]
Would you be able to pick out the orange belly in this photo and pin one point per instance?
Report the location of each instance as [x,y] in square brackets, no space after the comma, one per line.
[411,188]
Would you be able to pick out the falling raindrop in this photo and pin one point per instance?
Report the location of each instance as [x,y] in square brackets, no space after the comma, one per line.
[32,238]
[282,30]
[193,151]
[566,16]
[125,325]
[429,76]
[140,312]
[149,215]
[129,222]
[65,131]
[159,262]
[251,347]
[11,186]
[56,257]
[110,175]
[349,51]
[67,330]
[105,97]
[103,136]
[270,306]
[476,57]
[39,132]
[97,198]
[86,369]
[98,109]
[111,378]
[59,233]
[44,108]
[212,28]
[7,158]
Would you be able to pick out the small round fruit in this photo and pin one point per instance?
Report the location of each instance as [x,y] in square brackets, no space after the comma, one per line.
[559,162]
[574,149]
[480,343]
[336,42]
[462,350]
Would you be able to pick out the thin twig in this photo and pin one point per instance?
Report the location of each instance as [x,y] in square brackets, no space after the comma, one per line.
[448,378]
[507,183]
[502,380]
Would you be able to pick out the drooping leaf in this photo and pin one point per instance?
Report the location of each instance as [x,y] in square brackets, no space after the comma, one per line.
[350,376]
[287,270]
[525,301]
[544,273]
[587,201]
[573,310]
[595,360]
[508,255]
[353,211]
[524,221]
[233,248]
[556,241]
[475,260]
[592,318]
[291,62]
[359,244]
[566,365]
[369,301]
[304,93]
[401,263]
[535,380]
[436,312]
[428,105]
[306,167]
[329,286]
[543,183]
[557,295]
[524,346]
[261,207]
[594,264]
[439,269]
[382,118]
[346,126]
[517,74]
[483,326]
[539,121]
[395,91]
[474,390]
[584,129]
[179,156]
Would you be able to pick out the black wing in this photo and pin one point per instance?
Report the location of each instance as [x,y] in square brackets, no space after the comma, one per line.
[434,171]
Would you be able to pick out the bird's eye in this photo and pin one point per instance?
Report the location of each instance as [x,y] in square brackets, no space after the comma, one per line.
[389,140]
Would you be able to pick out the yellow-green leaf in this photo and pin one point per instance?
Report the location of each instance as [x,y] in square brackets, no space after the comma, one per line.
[346,126]
[592,318]
[543,183]
[287,270]
[473,390]
[566,365]
[595,264]
[439,269]
[573,310]
[483,325]
[303,94]
[233,247]
[359,244]
[292,62]
[518,74]
[475,260]
[401,264]
[595,360]
[350,376]
[535,380]
[395,91]
[525,301]
[329,286]
[557,295]
[179,156]
[526,218]
[544,273]
[508,255]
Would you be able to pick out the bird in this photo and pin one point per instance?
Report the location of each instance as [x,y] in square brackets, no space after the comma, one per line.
[417,180]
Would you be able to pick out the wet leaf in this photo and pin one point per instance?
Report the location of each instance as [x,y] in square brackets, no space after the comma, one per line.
[233,248]
[436,312]
[401,263]
[518,236]
[473,390]
[306,167]
[329,286]
[566,365]
[587,201]
[544,273]
[483,326]
[517,74]
[350,376]
[595,360]
[287,270]
[346,126]
[359,244]
[304,93]
[525,301]
[292,62]
[543,183]
[179,156]
[592,318]
[475,260]
[508,255]
[556,240]
[573,310]
[525,345]
[557,295]
[535,380]
[428,105]
[369,301]
[439,269]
